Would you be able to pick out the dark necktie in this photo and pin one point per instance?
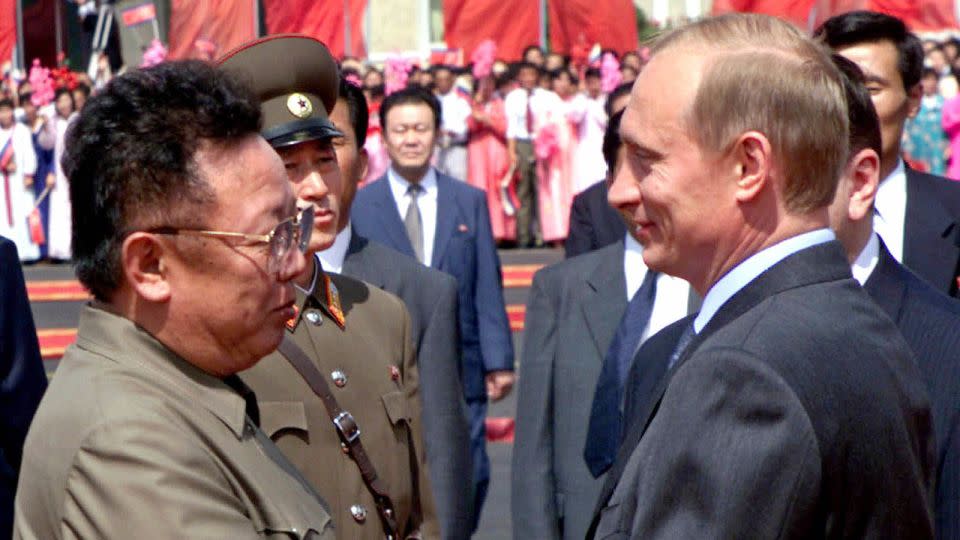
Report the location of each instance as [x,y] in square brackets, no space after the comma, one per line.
[604,430]
[529,115]
[413,222]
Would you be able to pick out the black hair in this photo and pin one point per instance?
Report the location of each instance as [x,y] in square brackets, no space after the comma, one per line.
[864,124]
[6,102]
[928,72]
[618,92]
[356,110]
[83,88]
[529,48]
[65,92]
[591,73]
[25,97]
[867,26]
[130,157]
[413,95]
[612,141]
[520,66]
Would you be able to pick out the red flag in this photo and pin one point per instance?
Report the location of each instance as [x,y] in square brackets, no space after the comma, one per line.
[208,29]
[513,25]
[795,11]
[321,20]
[611,23]
[8,28]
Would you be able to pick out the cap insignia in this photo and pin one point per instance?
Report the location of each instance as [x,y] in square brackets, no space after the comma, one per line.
[299,105]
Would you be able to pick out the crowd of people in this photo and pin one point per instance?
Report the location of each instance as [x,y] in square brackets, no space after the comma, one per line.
[755,332]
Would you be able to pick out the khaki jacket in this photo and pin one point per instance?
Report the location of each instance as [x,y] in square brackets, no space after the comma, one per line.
[132,441]
[369,364]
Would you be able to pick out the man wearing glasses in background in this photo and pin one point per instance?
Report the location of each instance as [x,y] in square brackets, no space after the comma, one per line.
[354,338]
[187,234]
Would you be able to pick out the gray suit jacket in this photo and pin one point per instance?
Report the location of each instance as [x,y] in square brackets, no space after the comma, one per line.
[431,299]
[572,314]
[797,412]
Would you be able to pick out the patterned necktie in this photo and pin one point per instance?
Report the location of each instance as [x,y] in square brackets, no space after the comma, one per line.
[605,428]
[413,222]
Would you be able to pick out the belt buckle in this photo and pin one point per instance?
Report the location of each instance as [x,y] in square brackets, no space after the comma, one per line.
[347,427]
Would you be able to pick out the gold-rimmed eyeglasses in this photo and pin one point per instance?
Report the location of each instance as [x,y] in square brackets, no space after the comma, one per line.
[295,230]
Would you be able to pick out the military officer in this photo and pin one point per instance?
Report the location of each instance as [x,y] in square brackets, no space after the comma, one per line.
[356,336]
[186,232]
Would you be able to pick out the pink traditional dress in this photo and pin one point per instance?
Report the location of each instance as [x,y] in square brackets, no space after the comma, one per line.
[488,163]
[951,125]
[554,145]
[377,159]
[590,119]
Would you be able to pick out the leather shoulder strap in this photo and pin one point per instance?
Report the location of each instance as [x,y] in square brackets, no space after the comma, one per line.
[347,430]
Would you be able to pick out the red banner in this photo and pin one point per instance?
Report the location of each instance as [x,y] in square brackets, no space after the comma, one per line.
[927,15]
[206,30]
[581,23]
[512,25]
[322,20]
[8,29]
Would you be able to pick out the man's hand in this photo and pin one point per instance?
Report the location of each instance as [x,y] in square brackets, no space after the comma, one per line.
[28,180]
[499,384]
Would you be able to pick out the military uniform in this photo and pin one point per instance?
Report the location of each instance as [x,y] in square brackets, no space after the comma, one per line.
[359,338]
[132,441]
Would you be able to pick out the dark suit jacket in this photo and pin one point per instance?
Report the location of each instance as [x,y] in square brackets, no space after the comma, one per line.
[930,324]
[431,299]
[464,248]
[593,222]
[22,377]
[797,412]
[574,309]
[931,238]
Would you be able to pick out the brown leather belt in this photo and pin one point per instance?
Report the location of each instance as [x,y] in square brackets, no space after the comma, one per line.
[348,431]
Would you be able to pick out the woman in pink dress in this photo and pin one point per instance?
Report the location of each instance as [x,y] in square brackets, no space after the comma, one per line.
[554,145]
[487,159]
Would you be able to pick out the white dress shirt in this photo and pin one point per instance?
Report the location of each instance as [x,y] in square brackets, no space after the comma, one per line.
[455,110]
[673,294]
[332,257]
[867,260]
[748,270]
[427,203]
[891,210]
[515,107]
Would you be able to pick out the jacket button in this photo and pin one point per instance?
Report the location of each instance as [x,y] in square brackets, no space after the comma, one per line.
[314,317]
[339,378]
[359,513]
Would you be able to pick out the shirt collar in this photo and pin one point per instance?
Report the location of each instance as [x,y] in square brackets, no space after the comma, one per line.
[867,260]
[750,268]
[313,280]
[635,270]
[399,184]
[333,257]
[893,188]
[119,340]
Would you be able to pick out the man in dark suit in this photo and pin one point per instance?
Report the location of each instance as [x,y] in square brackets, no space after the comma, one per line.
[431,298]
[22,379]
[593,223]
[574,310]
[771,420]
[915,214]
[928,319]
[445,224]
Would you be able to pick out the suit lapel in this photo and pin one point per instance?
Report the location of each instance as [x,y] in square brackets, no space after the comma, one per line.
[604,296]
[817,264]
[389,217]
[885,286]
[447,214]
[358,262]
[929,248]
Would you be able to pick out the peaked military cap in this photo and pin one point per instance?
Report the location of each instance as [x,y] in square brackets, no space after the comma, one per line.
[297,81]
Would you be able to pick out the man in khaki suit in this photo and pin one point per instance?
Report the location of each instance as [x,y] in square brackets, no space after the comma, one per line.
[186,232]
[355,334]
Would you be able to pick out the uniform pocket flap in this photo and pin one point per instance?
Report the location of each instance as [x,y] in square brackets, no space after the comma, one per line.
[396,405]
[277,416]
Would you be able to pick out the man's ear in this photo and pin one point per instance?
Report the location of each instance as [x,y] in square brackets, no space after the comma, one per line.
[864,172]
[751,159]
[914,96]
[364,158]
[144,260]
